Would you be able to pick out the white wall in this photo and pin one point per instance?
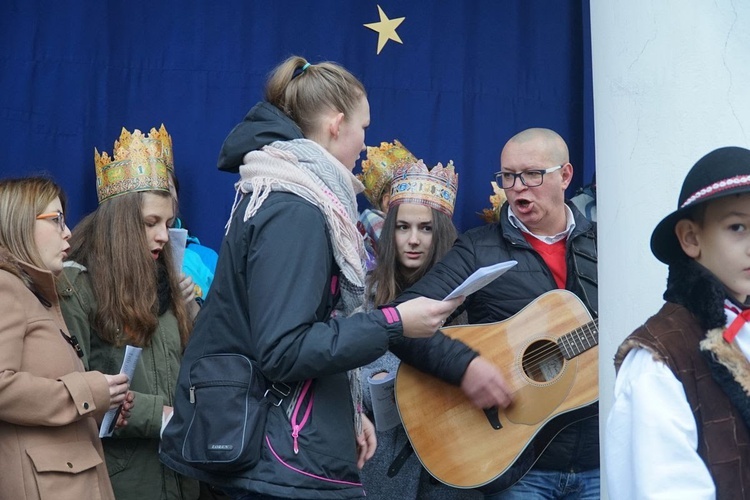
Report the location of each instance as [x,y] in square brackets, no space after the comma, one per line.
[671,83]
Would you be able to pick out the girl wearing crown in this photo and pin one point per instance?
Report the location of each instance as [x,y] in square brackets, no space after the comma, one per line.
[288,293]
[416,233]
[119,288]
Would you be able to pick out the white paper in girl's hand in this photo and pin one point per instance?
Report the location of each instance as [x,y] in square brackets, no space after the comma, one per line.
[178,240]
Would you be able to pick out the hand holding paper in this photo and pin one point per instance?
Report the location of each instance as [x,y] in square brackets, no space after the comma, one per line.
[421,317]
[129,362]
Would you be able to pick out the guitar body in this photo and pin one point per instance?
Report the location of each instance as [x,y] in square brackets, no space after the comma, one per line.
[456,442]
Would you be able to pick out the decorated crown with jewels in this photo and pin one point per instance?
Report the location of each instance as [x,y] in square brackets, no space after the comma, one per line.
[377,169]
[138,163]
[415,183]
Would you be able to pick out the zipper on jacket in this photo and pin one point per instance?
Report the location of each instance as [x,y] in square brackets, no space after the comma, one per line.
[224,383]
[298,426]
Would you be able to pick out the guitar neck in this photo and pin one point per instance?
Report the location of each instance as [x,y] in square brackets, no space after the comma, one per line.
[579,340]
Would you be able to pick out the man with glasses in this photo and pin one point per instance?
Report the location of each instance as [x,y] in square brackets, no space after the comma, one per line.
[555,246]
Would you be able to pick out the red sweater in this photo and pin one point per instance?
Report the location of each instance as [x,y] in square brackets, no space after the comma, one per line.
[554,257]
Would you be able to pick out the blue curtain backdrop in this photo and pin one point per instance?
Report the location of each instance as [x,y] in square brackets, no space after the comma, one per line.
[468,75]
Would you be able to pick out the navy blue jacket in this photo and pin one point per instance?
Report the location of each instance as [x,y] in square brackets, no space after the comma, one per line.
[271,301]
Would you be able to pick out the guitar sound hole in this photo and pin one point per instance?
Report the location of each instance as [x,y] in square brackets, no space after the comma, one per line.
[542,361]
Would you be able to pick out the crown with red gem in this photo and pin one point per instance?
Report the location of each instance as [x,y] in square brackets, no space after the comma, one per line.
[138,163]
[415,183]
[377,169]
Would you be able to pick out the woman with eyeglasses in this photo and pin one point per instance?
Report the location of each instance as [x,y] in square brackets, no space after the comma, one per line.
[49,406]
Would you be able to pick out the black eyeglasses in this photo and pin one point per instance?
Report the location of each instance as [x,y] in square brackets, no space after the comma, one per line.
[529,178]
[56,217]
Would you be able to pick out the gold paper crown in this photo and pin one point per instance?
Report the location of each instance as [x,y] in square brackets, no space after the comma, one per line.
[415,183]
[140,163]
[377,169]
[492,215]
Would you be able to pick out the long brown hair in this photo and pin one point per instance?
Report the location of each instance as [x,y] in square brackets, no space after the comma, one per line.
[388,279]
[111,243]
[21,200]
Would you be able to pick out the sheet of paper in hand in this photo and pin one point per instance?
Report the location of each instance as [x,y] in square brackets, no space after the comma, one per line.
[178,241]
[480,278]
[129,362]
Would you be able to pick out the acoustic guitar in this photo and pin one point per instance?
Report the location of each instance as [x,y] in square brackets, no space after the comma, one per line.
[548,354]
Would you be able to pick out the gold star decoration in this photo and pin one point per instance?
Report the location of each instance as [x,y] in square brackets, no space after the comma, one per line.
[386,29]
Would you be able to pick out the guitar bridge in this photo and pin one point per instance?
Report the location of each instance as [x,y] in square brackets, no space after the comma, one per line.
[492,416]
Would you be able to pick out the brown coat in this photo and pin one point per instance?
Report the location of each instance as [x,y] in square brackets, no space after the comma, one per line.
[49,407]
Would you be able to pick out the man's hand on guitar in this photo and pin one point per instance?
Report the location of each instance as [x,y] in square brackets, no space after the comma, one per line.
[422,317]
[484,385]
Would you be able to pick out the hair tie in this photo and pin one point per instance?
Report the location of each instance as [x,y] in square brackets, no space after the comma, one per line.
[299,71]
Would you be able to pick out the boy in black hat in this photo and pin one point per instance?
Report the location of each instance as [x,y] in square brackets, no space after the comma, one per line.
[679,424]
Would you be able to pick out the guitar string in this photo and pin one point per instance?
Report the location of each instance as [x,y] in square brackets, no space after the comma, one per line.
[581,341]
[583,338]
[586,334]
[534,368]
[559,349]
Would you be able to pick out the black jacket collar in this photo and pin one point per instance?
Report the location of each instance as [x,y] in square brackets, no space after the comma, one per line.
[263,124]
[694,287]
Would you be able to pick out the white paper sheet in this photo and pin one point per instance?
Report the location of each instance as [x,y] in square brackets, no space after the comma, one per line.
[129,362]
[382,393]
[480,278]
[178,240]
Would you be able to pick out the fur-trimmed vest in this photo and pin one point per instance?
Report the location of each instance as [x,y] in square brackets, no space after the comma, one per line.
[686,334]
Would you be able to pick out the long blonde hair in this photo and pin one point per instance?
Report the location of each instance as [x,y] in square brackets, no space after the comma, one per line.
[111,243]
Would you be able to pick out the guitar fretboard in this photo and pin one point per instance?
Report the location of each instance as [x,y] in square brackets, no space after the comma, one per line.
[579,340]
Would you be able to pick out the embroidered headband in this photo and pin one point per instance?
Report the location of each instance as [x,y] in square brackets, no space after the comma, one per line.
[415,183]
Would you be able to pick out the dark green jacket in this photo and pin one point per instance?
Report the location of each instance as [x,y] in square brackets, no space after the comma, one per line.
[132,451]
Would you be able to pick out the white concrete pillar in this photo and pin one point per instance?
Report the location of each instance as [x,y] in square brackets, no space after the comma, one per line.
[671,83]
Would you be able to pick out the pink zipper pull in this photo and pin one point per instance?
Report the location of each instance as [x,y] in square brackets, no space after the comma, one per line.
[296,427]
[295,435]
